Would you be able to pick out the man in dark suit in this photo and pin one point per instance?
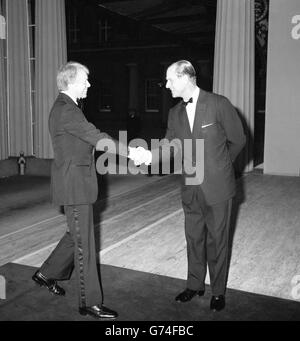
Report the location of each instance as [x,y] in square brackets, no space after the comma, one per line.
[207,197]
[74,185]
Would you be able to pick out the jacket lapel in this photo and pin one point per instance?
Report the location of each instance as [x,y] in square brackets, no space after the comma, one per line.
[199,114]
[66,98]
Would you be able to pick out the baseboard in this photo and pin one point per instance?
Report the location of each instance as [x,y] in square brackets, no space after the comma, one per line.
[33,166]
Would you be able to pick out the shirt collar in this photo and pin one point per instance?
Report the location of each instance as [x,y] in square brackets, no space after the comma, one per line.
[195,94]
[68,94]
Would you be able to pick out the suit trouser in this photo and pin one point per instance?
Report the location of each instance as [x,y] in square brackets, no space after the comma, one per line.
[77,247]
[206,232]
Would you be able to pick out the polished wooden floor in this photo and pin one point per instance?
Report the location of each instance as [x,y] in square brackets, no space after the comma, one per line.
[139,226]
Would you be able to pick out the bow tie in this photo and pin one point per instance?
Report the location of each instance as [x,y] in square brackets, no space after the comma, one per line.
[189,101]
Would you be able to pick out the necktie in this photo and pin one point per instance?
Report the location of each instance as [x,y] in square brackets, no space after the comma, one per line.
[189,101]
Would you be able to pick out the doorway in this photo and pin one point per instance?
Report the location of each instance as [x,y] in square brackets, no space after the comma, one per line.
[261,49]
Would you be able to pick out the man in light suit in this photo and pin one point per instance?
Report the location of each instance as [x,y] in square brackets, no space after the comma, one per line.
[206,204]
[74,185]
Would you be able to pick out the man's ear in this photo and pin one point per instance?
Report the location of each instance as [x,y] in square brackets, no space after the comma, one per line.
[186,78]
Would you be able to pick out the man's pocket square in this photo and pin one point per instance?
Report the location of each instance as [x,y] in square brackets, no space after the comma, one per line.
[207,125]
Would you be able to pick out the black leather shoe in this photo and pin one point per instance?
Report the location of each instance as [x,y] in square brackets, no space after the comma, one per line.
[98,312]
[217,303]
[51,284]
[188,294]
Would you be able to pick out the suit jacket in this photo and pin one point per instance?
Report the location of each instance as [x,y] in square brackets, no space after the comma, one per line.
[217,123]
[73,173]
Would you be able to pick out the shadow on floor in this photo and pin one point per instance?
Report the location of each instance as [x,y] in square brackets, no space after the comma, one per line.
[137,296]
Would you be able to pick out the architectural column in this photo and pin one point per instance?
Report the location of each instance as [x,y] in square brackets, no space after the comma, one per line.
[282,125]
[2,24]
[51,53]
[3,108]
[19,101]
[234,64]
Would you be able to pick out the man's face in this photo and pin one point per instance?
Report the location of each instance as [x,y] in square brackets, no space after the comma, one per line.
[81,84]
[177,84]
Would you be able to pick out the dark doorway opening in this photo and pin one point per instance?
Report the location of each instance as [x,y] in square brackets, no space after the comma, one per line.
[261,46]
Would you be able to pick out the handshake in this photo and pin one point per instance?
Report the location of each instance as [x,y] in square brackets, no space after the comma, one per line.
[140,155]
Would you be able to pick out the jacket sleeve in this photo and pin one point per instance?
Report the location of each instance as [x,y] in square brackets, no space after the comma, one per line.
[232,125]
[76,124]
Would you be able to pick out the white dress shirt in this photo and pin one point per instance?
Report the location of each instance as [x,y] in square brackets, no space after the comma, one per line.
[191,107]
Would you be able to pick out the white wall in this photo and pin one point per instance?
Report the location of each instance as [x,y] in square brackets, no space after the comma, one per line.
[282,126]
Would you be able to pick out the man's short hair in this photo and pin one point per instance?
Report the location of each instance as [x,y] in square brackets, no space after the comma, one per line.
[184,67]
[68,73]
